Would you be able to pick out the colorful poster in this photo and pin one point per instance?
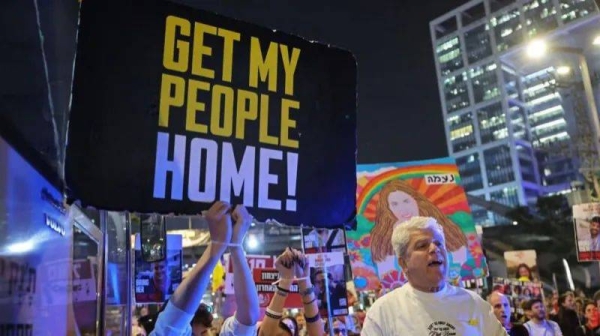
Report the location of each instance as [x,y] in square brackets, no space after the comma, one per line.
[521,265]
[156,282]
[327,276]
[518,292]
[586,222]
[390,193]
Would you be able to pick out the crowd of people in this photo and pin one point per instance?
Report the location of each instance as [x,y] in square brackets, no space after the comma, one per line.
[570,313]
[426,305]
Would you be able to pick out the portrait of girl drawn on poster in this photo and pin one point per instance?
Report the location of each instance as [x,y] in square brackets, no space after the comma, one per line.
[398,202]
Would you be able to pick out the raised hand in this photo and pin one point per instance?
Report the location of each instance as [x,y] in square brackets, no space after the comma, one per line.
[242,223]
[285,265]
[219,222]
[301,265]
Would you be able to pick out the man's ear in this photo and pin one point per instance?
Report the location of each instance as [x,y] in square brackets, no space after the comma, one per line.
[402,264]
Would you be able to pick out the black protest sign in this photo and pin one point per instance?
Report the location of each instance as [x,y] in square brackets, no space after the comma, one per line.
[174,108]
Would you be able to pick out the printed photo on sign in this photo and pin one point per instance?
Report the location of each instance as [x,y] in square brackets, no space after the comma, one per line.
[517,292]
[521,265]
[324,240]
[389,194]
[586,222]
[327,275]
[156,282]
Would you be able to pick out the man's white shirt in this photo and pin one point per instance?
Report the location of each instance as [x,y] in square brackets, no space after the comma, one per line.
[453,311]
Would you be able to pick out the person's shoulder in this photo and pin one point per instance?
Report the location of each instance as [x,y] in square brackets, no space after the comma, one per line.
[459,291]
[232,327]
[388,301]
[554,324]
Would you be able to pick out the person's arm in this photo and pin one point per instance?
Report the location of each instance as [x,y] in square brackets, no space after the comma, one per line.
[182,305]
[274,312]
[246,297]
[314,323]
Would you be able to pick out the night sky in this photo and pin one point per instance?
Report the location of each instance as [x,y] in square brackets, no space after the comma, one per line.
[399,113]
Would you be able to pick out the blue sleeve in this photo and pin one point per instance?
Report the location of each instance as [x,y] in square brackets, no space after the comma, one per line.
[173,322]
[232,327]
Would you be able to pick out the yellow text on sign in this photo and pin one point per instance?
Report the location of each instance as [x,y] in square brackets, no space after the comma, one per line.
[230,110]
[184,45]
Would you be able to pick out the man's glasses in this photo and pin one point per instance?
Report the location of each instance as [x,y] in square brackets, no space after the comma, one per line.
[340,331]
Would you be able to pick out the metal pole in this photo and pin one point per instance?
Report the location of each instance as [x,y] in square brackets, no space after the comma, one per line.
[327,297]
[104,260]
[129,266]
[591,102]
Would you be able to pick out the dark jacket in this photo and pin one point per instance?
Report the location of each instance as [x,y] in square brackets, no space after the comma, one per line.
[585,331]
[567,321]
[518,330]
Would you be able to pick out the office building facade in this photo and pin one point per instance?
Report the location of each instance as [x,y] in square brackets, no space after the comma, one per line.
[505,123]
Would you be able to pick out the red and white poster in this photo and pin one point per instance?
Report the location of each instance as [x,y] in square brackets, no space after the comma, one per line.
[264,279]
[254,262]
[586,222]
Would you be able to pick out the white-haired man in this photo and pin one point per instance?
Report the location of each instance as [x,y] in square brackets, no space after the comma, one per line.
[427,305]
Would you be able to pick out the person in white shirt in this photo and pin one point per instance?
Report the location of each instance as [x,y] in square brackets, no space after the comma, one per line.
[539,325]
[427,304]
[180,309]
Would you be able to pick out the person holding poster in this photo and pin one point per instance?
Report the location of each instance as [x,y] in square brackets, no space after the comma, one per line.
[180,309]
[292,265]
[427,304]
[397,203]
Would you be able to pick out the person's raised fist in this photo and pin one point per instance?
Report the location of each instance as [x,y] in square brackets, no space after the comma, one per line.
[219,222]
[242,223]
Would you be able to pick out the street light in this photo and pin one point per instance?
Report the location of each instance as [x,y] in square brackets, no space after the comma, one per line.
[252,242]
[563,70]
[596,40]
[538,49]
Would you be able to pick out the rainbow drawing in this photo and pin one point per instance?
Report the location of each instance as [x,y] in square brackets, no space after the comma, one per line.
[467,262]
